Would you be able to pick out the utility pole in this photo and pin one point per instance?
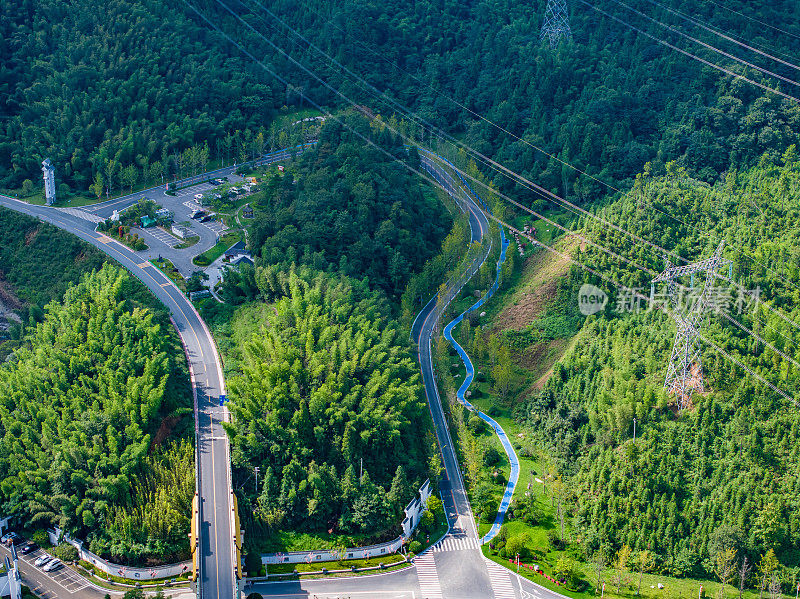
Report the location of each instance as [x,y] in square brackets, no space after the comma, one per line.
[556,23]
[256,470]
[685,371]
[634,430]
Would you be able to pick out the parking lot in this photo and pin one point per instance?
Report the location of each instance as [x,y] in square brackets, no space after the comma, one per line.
[43,583]
[159,234]
[216,226]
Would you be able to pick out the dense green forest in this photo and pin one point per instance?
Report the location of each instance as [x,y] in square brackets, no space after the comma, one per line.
[724,474]
[88,404]
[38,260]
[326,387]
[120,90]
[351,208]
[124,92]
[607,103]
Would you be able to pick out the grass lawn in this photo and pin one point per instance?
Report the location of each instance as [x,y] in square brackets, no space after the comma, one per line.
[169,269]
[226,241]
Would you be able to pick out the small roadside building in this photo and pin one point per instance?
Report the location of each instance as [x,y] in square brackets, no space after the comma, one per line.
[182,232]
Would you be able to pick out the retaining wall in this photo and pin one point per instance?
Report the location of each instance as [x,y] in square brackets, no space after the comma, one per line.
[168,571]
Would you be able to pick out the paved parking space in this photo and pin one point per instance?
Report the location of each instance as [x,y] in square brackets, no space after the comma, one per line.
[64,577]
[190,191]
[215,225]
[159,234]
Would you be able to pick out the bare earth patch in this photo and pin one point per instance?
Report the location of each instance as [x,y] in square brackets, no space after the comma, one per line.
[538,287]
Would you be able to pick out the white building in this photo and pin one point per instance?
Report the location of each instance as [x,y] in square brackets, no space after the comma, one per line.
[49,171]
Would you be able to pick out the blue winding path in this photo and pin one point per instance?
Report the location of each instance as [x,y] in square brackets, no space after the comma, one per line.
[512,456]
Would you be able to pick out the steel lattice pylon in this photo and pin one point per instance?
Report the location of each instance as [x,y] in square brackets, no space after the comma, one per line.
[556,23]
[685,371]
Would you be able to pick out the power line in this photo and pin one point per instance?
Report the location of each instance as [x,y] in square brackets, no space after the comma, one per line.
[690,55]
[489,162]
[496,192]
[708,46]
[754,19]
[430,180]
[729,37]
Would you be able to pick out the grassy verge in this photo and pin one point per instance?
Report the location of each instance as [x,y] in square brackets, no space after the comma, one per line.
[168,268]
[226,241]
[388,560]
[101,578]
[187,243]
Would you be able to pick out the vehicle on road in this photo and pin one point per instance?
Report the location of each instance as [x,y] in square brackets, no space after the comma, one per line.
[197,213]
[42,560]
[6,537]
[198,196]
[29,548]
[12,538]
[53,565]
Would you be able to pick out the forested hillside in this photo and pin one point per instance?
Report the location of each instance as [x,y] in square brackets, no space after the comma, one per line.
[88,405]
[120,90]
[38,261]
[100,86]
[351,208]
[607,103]
[326,387]
[724,474]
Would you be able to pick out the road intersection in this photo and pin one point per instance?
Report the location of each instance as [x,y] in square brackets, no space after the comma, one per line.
[454,568]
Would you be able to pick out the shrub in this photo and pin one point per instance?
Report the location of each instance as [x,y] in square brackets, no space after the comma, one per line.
[476,425]
[40,537]
[518,545]
[494,411]
[415,546]
[491,457]
[65,552]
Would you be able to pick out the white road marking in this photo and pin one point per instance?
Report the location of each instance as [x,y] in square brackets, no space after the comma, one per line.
[451,543]
[428,576]
[501,581]
[92,218]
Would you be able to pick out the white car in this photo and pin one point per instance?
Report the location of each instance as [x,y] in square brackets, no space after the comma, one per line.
[198,196]
[53,565]
[42,560]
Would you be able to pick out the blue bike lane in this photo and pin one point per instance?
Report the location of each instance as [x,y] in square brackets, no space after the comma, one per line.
[509,449]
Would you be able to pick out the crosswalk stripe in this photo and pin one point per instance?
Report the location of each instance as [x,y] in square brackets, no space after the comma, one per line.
[92,218]
[501,581]
[428,577]
[456,544]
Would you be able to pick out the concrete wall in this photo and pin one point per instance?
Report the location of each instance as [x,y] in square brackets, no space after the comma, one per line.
[169,571]
[413,512]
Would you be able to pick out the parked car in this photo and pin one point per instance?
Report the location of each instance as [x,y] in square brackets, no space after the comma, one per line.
[52,565]
[42,560]
[198,196]
[11,538]
[29,548]
[6,537]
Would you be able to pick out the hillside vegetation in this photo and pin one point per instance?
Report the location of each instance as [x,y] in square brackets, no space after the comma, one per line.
[81,405]
[723,474]
[327,386]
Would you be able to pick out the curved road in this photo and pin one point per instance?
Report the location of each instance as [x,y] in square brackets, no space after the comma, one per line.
[454,568]
[216,544]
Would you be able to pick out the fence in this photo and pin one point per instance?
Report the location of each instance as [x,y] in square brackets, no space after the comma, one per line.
[169,571]
[413,511]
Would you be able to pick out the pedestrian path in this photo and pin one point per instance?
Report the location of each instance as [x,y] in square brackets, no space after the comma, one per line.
[92,218]
[450,543]
[501,581]
[428,577]
[509,449]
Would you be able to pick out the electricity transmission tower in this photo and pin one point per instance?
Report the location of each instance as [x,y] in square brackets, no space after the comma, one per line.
[685,371]
[556,23]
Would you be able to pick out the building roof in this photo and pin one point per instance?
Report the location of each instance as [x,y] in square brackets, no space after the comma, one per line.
[242,259]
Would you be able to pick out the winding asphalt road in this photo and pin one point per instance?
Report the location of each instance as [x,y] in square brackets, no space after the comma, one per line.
[217,580]
[454,568]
